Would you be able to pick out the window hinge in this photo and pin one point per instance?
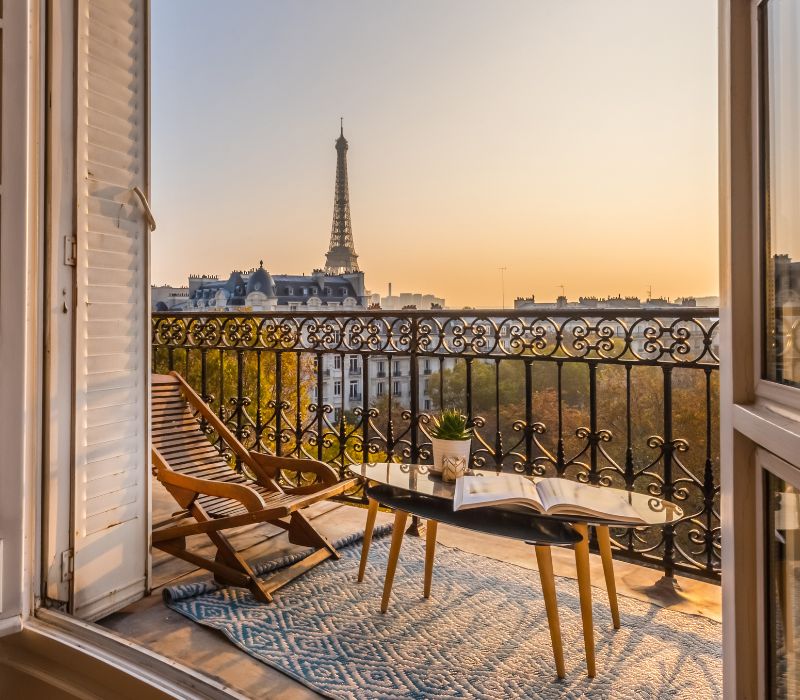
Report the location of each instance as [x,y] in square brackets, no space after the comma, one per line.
[70,250]
[67,565]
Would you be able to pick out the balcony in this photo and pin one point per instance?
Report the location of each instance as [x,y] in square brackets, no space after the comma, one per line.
[175,637]
[622,397]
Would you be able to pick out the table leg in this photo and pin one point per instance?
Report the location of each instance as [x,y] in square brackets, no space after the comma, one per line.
[544,560]
[368,528]
[400,518]
[430,549]
[604,542]
[585,592]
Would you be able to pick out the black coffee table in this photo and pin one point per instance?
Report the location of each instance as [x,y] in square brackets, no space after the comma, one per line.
[435,504]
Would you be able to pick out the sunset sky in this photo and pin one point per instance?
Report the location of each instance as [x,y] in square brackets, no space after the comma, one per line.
[572,142]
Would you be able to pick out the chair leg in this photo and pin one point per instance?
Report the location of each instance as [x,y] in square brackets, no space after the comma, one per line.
[544,561]
[372,512]
[430,549]
[400,518]
[585,592]
[604,542]
[227,554]
[302,532]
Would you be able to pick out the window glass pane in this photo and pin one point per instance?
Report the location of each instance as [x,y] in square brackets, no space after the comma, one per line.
[780,85]
[783,588]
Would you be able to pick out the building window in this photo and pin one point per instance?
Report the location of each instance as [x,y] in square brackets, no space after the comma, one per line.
[337,388]
[354,364]
[353,390]
[396,369]
[398,389]
[337,362]
[380,389]
[428,404]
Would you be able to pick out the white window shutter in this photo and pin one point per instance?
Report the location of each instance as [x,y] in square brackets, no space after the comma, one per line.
[111,528]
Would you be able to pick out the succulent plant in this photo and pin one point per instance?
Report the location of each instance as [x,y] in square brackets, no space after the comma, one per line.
[451,425]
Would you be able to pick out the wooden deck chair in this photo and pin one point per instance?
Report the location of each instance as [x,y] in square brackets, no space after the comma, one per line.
[218,498]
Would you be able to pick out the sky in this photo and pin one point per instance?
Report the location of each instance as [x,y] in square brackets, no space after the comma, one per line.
[572,143]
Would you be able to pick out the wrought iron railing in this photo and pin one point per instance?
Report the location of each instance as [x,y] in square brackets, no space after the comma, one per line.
[610,397]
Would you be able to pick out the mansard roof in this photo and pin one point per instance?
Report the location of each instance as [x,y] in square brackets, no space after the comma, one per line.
[240,284]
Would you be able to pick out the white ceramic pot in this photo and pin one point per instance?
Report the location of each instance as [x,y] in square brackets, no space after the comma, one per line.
[460,449]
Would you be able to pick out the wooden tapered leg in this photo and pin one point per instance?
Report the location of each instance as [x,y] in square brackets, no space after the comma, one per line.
[585,592]
[430,549]
[544,560]
[604,542]
[400,518]
[368,528]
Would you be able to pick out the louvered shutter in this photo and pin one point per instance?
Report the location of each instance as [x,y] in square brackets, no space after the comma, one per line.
[111,527]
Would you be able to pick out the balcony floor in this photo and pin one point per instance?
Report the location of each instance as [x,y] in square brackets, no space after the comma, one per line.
[154,626]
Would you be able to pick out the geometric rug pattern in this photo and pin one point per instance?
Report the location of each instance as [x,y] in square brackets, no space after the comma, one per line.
[482,634]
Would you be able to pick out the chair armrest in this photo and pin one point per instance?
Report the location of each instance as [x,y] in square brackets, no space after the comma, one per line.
[271,465]
[249,498]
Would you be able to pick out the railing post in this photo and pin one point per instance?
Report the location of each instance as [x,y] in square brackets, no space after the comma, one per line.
[298,409]
[320,405]
[594,475]
[709,490]
[529,416]
[498,435]
[470,416]
[629,472]
[414,398]
[365,407]
[669,485]
[560,464]
[278,402]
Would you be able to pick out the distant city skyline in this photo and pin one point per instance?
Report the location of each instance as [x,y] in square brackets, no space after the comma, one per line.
[533,143]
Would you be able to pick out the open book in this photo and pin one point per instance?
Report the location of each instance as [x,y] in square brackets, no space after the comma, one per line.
[548,496]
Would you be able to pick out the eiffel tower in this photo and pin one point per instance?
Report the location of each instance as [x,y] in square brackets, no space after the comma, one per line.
[341,257]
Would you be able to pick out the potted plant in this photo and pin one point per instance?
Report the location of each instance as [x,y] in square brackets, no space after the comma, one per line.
[451,439]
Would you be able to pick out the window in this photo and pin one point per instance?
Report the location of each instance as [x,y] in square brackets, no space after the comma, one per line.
[780,185]
[398,389]
[396,369]
[428,404]
[782,586]
[337,388]
[380,389]
[354,364]
[337,362]
[354,390]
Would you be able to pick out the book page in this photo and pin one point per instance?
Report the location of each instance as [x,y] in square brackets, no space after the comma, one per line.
[566,497]
[475,491]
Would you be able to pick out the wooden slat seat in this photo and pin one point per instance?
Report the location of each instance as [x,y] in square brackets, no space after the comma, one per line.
[219,498]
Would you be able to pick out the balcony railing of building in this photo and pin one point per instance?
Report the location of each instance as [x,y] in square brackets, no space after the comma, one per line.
[618,397]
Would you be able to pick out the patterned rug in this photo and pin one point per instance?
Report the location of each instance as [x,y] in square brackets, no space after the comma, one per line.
[482,634]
